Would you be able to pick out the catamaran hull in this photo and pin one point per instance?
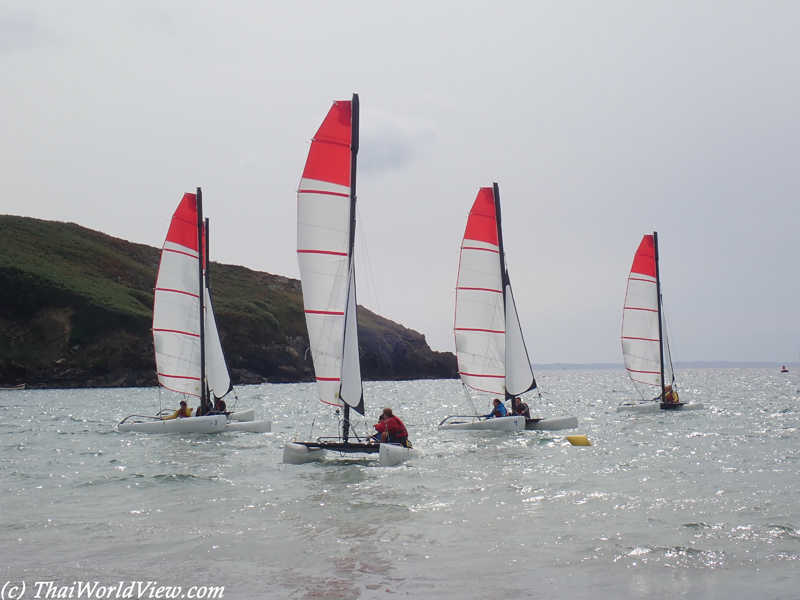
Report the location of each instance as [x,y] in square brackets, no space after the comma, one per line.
[210,424]
[389,455]
[551,424]
[251,426]
[244,415]
[653,406]
[515,423]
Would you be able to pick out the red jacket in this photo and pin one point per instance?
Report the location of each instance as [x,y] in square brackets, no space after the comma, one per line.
[393,425]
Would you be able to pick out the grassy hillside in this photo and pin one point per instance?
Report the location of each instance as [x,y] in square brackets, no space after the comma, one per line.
[76,309]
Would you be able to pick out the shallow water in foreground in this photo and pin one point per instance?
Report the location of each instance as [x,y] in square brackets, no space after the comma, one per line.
[697,504]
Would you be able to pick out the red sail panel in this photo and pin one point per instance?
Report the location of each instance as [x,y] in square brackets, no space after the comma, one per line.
[329,155]
[482,222]
[183,228]
[644,262]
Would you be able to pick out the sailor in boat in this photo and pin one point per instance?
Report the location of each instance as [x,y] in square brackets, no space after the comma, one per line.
[392,429]
[220,407]
[518,407]
[784,369]
[670,396]
[499,410]
[182,412]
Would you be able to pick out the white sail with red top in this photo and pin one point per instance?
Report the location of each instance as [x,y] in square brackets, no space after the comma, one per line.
[325,235]
[177,310]
[489,345]
[641,337]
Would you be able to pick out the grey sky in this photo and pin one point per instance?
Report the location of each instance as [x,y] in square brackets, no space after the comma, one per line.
[601,121]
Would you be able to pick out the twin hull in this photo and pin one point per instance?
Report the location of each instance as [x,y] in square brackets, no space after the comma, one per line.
[512,423]
[389,455]
[652,406]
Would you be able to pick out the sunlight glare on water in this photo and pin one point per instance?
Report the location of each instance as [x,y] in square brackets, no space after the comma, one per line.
[696,504]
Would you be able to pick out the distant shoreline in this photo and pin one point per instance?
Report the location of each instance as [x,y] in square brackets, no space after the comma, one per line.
[718,364]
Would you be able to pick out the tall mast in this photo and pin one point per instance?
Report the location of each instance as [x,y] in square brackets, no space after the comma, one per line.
[201,297]
[503,270]
[351,244]
[658,305]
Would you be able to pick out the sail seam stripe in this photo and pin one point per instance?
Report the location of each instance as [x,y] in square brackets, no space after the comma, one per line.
[197,335]
[324,193]
[639,308]
[625,337]
[178,376]
[648,372]
[475,329]
[180,252]
[158,289]
[324,312]
[640,279]
[496,251]
[475,289]
[328,378]
[322,252]
[332,142]
[479,375]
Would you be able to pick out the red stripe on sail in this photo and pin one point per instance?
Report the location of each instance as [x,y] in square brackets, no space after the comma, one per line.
[479,375]
[178,376]
[324,312]
[480,290]
[194,256]
[328,379]
[339,194]
[624,337]
[183,227]
[645,260]
[495,250]
[177,292]
[638,308]
[329,155]
[481,330]
[197,335]
[647,372]
[482,222]
[322,252]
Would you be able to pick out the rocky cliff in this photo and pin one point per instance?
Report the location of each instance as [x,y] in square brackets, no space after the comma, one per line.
[76,309]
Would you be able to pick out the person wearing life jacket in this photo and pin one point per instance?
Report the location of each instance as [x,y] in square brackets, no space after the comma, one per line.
[392,429]
[670,395]
[499,410]
[520,408]
[183,412]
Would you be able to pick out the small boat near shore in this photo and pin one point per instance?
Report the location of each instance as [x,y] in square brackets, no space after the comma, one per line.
[645,346]
[189,357]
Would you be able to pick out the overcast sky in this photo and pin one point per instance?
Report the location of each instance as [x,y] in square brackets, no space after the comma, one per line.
[600,121]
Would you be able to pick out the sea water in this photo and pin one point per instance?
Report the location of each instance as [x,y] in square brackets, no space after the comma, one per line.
[701,504]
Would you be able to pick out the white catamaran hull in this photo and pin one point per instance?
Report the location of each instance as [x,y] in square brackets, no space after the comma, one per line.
[389,455]
[652,406]
[244,415]
[552,424]
[251,426]
[515,423]
[210,424]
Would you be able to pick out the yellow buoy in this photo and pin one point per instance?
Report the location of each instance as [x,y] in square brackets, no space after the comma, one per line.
[579,440]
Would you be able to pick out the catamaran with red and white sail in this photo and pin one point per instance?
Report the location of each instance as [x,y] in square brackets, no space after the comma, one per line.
[491,351]
[189,357]
[645,346]
[326,221]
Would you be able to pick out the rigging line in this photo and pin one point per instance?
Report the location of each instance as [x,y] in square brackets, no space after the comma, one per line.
[370,277]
